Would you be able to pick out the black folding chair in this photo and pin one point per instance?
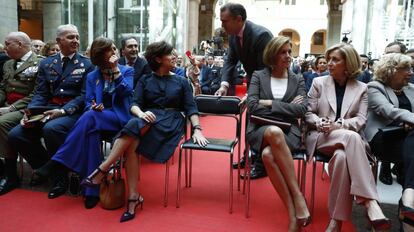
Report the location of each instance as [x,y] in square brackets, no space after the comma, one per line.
[225,106]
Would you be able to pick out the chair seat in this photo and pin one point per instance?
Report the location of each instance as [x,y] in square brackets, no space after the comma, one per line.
[320,157]
[223,145]
[296,155]
[299,154]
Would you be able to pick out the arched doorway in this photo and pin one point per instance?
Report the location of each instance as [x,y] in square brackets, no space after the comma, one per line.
[294,37]
[318,42]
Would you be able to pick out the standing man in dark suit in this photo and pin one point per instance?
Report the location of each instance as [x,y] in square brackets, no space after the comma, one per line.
[16,90]
[247,42]
[129,49]
[61,88]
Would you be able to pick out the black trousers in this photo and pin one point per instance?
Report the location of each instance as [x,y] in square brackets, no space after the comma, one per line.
[400,150]
[408,159]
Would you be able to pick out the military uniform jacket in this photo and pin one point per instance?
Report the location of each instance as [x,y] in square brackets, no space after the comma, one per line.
[70,84]
[21,80]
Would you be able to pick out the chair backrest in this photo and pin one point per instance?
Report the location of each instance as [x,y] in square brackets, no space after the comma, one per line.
[218,105]
[228,106]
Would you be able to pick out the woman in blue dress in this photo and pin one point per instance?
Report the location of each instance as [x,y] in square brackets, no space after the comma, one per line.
[158,125]
[109,92]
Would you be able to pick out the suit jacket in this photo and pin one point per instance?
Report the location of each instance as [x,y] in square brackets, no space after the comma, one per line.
[141,68]
[255,39]
[322,103]
[283,110]
[383,107]
[21,80]
[121,98]
[70,84]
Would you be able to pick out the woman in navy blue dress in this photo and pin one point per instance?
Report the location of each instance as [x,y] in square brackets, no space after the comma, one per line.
[158,125]
[109,92]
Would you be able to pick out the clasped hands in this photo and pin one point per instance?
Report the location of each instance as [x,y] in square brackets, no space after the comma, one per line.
[326,125]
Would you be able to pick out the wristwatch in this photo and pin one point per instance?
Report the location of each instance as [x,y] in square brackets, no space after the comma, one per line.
[197,127]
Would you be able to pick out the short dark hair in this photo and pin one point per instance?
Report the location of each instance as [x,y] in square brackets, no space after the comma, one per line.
[402,46]
[235,9]
[123,41]
[157,50]
[363,55]
[99,46]
[317,60]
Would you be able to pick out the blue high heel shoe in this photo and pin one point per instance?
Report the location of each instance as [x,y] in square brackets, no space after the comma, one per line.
[126,216]
[88,181]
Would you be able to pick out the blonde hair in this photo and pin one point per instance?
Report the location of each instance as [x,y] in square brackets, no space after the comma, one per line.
[272,48]
[351,56]
[386,67]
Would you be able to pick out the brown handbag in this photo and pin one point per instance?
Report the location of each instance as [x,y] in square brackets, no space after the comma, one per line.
[112,189]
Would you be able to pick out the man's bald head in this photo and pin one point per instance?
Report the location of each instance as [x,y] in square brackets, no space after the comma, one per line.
[17,44]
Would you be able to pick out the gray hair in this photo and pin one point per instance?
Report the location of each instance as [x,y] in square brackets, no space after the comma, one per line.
[22,37]
[62,29]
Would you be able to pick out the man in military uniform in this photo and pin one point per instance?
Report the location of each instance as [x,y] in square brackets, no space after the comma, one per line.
[60,87]
[16,90]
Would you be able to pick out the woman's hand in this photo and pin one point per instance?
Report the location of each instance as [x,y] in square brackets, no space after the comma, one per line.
[199,138]
[148,116]
[113,62]
[408,126]
[297,100]
[266,103]
[323,125]
[97,107]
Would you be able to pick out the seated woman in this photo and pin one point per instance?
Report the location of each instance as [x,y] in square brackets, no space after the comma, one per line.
[320,65]
[278,93]
[157,125]
[109,90]
[390,103]
[336,116]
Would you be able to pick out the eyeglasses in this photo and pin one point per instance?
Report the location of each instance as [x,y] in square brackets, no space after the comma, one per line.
[407,69]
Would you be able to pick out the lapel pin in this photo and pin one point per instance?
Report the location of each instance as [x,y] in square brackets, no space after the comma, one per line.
[54,61]
[76,61]
[81,64]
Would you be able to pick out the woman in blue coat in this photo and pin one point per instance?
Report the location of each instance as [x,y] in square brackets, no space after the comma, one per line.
[157,125]
[109,91]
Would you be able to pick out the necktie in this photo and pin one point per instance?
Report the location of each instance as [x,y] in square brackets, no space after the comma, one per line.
[131,63]
[17,61]
[239,42]
[65,63]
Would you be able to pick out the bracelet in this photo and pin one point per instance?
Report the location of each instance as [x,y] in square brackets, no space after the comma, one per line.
[197,127]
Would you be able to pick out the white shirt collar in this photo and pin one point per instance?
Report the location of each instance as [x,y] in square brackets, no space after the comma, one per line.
[26,56]
[70,56]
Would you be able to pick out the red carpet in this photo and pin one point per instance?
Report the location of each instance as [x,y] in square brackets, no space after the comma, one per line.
[204,206]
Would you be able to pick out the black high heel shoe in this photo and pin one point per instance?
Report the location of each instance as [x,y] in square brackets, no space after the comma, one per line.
[88,181]
[129,216]
[380,224]
[405,211]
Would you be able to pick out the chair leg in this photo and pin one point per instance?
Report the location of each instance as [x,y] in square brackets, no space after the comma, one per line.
[247,176]
[167,177]
[190,169]
[21,165]
[186,167]
[231,184]
[303,180]
[179,179]
[313,187]
[238,167]
[323,171]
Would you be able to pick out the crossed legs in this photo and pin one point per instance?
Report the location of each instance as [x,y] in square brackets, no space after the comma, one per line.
[280,168]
